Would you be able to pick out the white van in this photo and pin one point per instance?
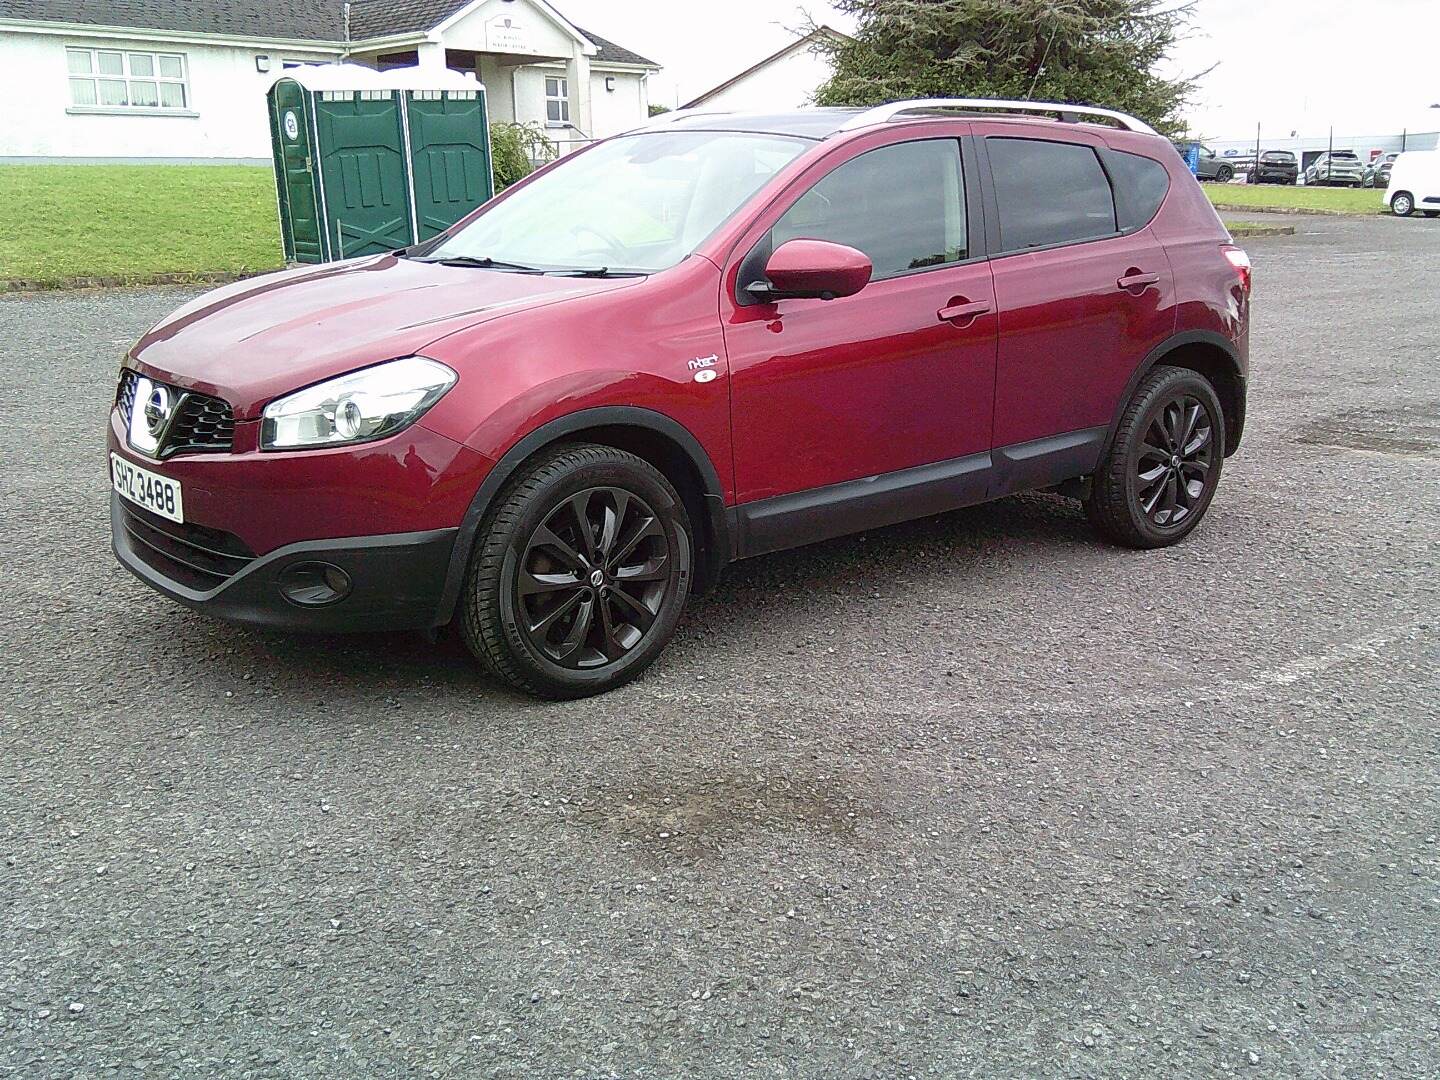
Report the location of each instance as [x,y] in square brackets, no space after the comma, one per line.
[1415,183]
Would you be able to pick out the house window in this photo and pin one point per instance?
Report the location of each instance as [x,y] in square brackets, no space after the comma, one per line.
[112,78]
[557,100]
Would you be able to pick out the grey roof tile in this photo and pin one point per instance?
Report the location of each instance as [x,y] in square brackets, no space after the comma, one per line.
[312,20]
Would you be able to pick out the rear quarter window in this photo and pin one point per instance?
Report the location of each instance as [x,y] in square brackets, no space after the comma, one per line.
[1141,185]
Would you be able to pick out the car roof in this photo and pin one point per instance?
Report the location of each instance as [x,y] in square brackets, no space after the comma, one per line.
[821,122]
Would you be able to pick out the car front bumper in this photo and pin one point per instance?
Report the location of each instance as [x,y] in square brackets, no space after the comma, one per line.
[394,581]
[328,540]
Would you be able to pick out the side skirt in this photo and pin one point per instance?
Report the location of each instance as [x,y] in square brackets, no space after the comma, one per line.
[807,517]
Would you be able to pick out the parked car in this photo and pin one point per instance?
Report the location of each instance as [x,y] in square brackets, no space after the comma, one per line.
[1277,167]
[715,337]
[1415,184]
[1377,172]
[1340,168]
[1211,165]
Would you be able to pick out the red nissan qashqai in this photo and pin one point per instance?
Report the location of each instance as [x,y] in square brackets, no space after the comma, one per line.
[715,337]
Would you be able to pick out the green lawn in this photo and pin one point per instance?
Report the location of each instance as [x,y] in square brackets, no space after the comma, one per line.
[132,222]
[1262,196]
[59,223]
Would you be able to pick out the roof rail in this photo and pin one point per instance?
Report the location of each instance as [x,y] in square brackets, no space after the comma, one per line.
[882,113]
[662,119]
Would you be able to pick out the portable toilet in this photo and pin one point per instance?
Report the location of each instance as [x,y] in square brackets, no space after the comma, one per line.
[368,161]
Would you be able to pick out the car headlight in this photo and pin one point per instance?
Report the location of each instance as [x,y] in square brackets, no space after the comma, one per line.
[359,407]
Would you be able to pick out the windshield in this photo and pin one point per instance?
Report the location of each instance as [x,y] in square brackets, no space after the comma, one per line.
[1279,155]
[637,203]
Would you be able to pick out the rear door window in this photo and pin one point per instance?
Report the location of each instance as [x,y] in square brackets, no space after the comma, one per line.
[1049,193]
[1140,186]
[902,205]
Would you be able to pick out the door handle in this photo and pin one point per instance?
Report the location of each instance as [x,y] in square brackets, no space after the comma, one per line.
[962,312]
[1134,279]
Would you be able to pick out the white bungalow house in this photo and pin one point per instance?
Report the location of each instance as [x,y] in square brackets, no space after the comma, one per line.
[185,80]
[786,79]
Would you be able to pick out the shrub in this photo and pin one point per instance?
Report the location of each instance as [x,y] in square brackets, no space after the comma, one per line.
[518,150]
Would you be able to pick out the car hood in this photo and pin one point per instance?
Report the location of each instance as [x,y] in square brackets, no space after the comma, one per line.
[251,341]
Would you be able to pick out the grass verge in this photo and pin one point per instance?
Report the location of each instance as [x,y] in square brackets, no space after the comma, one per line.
[1296,200]
[131,224]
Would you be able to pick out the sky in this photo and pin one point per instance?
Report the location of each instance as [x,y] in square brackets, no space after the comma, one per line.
[1290,65]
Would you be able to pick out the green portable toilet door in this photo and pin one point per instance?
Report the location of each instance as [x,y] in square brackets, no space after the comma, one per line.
[363,174]
[299,204]
[450,149]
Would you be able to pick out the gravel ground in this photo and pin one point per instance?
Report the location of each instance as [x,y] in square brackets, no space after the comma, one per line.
[974,796]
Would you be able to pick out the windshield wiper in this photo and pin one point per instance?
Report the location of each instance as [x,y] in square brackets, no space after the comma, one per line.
[483,263]
[594,271]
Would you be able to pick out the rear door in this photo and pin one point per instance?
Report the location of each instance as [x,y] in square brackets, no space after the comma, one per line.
[1084,291]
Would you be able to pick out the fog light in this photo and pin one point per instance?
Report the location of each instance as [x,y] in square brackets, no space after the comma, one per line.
[314,584]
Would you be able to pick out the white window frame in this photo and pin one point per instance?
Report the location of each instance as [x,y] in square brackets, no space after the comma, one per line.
[132,75]
[560,99]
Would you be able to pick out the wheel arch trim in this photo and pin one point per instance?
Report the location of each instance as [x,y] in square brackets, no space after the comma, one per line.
[718,546]
[1156,355]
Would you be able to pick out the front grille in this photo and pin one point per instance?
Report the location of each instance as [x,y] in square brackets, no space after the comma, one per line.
[125,395]
[193,555]
[202,423]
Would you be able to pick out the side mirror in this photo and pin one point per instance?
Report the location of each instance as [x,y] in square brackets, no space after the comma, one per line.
[812,270]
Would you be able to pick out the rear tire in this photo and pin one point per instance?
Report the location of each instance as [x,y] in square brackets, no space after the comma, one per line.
[1224,174]
[1402,204]
[580,573]
[1160,473]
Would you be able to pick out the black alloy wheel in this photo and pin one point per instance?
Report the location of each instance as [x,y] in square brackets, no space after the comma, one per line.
[580,572]
[1159,474]
[593,578]
[1173,461]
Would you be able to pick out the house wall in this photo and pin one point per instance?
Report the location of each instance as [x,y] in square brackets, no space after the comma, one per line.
[787,83]
[625,107]
[225,117]
[612,111]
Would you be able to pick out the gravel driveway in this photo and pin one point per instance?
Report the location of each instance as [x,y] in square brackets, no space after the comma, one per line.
[974,796]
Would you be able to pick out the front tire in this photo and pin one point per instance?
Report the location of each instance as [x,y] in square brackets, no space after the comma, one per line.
[1402,204]
[580,573]
[1158,477]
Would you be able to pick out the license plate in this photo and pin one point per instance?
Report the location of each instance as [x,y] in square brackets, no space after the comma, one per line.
[156,493]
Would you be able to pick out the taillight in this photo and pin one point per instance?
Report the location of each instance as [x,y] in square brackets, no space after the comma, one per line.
[1241,262]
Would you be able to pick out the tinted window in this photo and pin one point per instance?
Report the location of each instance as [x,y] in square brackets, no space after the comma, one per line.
[1140,187]
[1279,155]
[902,205]
[1049,193]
